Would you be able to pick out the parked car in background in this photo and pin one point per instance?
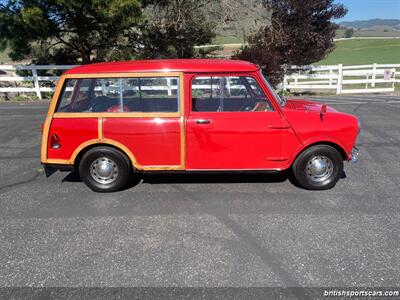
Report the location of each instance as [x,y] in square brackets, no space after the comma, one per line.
[112,121]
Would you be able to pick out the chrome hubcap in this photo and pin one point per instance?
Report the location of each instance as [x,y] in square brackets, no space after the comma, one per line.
[104,170]
[319,168]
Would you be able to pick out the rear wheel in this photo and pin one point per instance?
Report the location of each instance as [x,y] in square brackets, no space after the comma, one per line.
[318,167]
[105,169]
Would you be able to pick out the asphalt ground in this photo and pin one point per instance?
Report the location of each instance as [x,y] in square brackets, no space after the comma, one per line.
[197,230]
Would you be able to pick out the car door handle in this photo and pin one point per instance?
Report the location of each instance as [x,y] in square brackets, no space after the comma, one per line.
[278,126]
[202,121]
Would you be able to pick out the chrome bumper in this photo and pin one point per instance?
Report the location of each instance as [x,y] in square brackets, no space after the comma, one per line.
[354,154]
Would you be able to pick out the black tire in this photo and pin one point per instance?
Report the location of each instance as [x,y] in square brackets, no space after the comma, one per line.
[318,167]
[105,169]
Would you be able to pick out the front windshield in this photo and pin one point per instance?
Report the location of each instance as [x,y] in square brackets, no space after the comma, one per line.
[281,100]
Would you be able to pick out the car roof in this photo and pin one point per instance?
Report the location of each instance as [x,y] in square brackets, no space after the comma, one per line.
[166,65]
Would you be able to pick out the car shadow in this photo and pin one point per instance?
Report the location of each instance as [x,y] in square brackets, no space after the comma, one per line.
[72,177]
[215,178]
[162,178]
[199,178]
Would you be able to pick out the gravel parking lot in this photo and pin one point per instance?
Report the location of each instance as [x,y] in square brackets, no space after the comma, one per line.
[214,230]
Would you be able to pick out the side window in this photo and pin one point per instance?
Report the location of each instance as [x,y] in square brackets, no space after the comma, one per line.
[228,94]
[147,94]
[66,94]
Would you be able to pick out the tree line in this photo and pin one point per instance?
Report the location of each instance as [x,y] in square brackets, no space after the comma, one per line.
[297,32]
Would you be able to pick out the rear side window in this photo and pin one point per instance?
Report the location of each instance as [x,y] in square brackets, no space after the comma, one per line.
[147,94]
[228,94]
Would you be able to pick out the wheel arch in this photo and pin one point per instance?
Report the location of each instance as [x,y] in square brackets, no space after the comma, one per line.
[83,148]
[334,145]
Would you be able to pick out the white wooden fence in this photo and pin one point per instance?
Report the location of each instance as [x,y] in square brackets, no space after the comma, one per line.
[375,78]
[33,83]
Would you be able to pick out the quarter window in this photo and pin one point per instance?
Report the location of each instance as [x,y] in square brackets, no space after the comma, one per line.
[228,94]
[146,94]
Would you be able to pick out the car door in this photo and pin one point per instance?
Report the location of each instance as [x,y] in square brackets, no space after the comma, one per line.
[232,125]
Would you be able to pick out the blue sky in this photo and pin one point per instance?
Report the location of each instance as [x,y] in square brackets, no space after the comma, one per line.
[371,9]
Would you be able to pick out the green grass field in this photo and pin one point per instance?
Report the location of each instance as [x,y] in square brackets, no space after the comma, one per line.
[350,52]
[355,52]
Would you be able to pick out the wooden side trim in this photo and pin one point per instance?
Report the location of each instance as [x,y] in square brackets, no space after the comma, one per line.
[56,161]
[45,138]
[182,122]
[100,128]
[162,168]
[77,115]
[100,139]
[120,146]
[71,160]
[49,117]
[108,142]
[124,75]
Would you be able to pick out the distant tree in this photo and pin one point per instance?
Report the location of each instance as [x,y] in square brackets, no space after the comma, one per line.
[173,28]
[66,29]
[348,33]
[300,32]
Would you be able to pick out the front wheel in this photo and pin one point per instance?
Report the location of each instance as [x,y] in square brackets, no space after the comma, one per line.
[318,167]
[105,169]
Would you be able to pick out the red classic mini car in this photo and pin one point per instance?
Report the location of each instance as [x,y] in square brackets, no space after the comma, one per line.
[110,121]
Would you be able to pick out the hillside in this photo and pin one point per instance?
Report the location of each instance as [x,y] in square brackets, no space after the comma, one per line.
[389,24]
[244,17]
[371,28]
[246,21]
